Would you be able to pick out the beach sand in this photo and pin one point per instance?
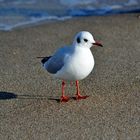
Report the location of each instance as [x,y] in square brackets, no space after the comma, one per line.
[28,94]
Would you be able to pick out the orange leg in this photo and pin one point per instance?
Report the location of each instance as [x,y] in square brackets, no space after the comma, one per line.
[78,95]
[63,97]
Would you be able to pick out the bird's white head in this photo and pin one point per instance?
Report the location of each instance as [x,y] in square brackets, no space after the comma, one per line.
[85,39]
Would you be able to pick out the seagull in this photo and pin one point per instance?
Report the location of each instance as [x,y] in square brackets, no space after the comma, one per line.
[72,63]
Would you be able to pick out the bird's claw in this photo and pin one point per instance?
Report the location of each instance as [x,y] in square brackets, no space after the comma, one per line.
[79,97]
[64,99]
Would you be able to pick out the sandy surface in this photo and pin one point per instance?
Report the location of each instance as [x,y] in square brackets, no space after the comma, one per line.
[28,109]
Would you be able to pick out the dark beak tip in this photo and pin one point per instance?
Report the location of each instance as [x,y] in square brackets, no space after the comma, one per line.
[98,44]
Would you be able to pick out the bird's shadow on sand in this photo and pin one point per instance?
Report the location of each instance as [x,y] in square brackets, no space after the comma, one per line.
[9,95]
[54,99]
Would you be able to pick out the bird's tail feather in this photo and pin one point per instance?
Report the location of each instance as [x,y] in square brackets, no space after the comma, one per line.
[45,59]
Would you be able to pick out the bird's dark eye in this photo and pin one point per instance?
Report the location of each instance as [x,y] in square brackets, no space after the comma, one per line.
[78,40]
[85,40]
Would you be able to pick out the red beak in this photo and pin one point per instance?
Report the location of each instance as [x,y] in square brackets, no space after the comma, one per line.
[98,44]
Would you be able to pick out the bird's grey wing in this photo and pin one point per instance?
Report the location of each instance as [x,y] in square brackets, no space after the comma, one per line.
[56,62]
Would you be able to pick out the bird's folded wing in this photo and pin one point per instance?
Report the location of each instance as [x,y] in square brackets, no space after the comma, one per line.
[56,62]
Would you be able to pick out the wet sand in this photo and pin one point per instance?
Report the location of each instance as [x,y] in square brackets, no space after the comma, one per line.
[29,107]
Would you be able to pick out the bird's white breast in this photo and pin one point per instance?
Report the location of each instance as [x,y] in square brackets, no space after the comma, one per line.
[77,65]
